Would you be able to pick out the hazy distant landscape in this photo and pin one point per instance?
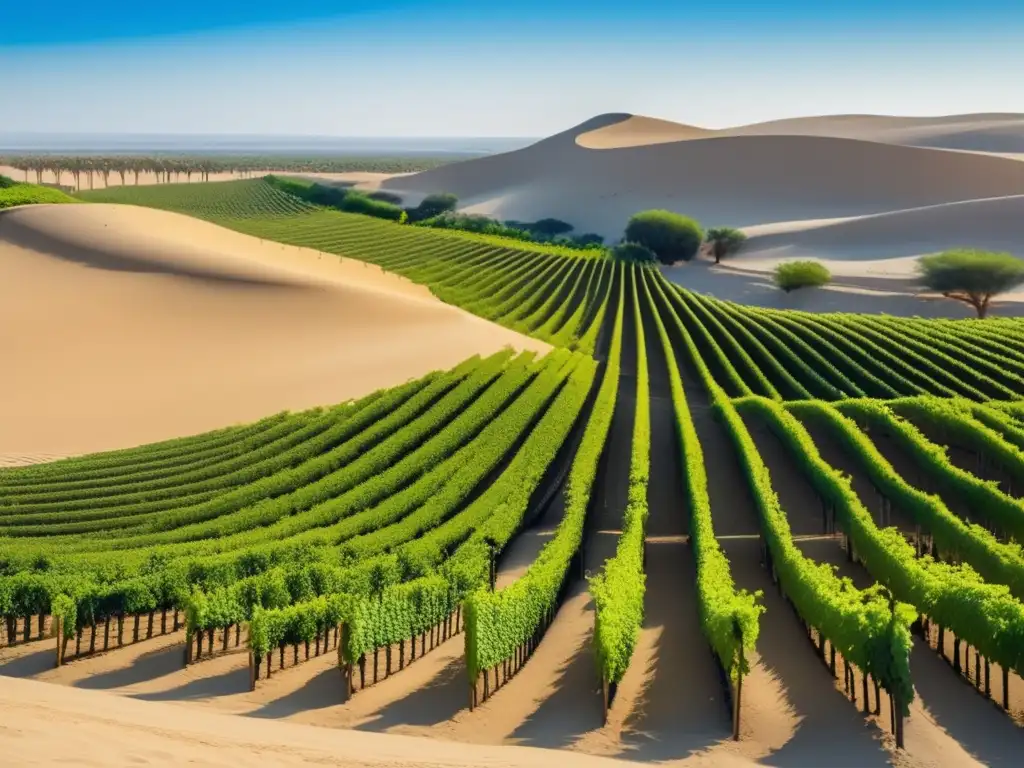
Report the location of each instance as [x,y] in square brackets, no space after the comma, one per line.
[227,144]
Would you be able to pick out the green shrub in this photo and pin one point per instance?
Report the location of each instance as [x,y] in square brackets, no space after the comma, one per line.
[971,276]
[432,205]
[550,227]
[587,239]
[356,202]
[7,181]
[672,236]
[724,241]
[29,194]
[800,274]
[385,197]
[484,225]
[634,253]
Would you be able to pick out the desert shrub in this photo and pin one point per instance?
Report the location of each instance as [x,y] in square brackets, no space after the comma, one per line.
[433,205]
[7,181]
[971,276]
[801,274]
[356,202]
[672,236]
[634,253]
[484,225]
[724,241]
[385,197]
[550,227]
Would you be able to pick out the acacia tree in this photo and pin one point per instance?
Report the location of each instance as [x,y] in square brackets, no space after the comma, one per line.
[724,241]
[971,276]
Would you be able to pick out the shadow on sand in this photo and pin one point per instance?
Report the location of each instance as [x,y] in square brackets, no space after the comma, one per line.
[981,728]
[437,701]
[149,666]
[327,689]
[574,706]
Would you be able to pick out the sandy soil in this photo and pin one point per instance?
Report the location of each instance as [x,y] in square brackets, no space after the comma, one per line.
[122,325]
[99,729]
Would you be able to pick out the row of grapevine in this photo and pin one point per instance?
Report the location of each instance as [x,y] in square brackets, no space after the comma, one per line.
[618,590]
[955,540]
[500,624]
[1004,512]
[381,614]
[729,617]
[953,596]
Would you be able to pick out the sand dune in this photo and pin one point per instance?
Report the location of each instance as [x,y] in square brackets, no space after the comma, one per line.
[736,180]
[898,237]
[123,325]
[995,133]
[865,194]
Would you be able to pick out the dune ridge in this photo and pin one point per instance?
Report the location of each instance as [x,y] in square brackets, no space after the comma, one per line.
[125,325]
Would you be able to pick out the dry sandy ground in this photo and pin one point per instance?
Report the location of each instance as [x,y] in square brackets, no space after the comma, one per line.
[122,325]
[866,195]
[51,725]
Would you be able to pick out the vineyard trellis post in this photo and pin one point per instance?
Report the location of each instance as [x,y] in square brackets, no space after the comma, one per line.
[737,633]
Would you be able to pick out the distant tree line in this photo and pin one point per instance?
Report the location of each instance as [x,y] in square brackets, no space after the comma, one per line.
[168,168]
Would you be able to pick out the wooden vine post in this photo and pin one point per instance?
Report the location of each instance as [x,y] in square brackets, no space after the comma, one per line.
[737,632]
[59,625]
[252,670]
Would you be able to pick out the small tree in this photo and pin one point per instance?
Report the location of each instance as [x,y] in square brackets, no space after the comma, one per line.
[672,236]
[801,274]
[549,227]
[971,276]
[724,241]
[634,253]
[433,205]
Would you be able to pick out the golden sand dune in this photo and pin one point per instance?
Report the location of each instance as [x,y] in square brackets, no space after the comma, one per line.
[736,180]
[867,194]
[124,325]
[996,133]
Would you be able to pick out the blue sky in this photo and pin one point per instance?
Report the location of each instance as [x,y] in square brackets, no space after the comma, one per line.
[458,68]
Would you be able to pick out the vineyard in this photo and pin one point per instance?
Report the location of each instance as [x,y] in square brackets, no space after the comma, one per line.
[687,507]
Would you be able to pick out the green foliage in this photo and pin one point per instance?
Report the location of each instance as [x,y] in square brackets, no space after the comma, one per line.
[634,253]
[7,181]
[672,236]
[619,588]
[497,623]
[30,194]
[214,201]
[385,197]
[723,608]
[550,227]
[484,225]
[868,630]
[434,204]
[342,198]
[971,276]
[800,274]
[724,241]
